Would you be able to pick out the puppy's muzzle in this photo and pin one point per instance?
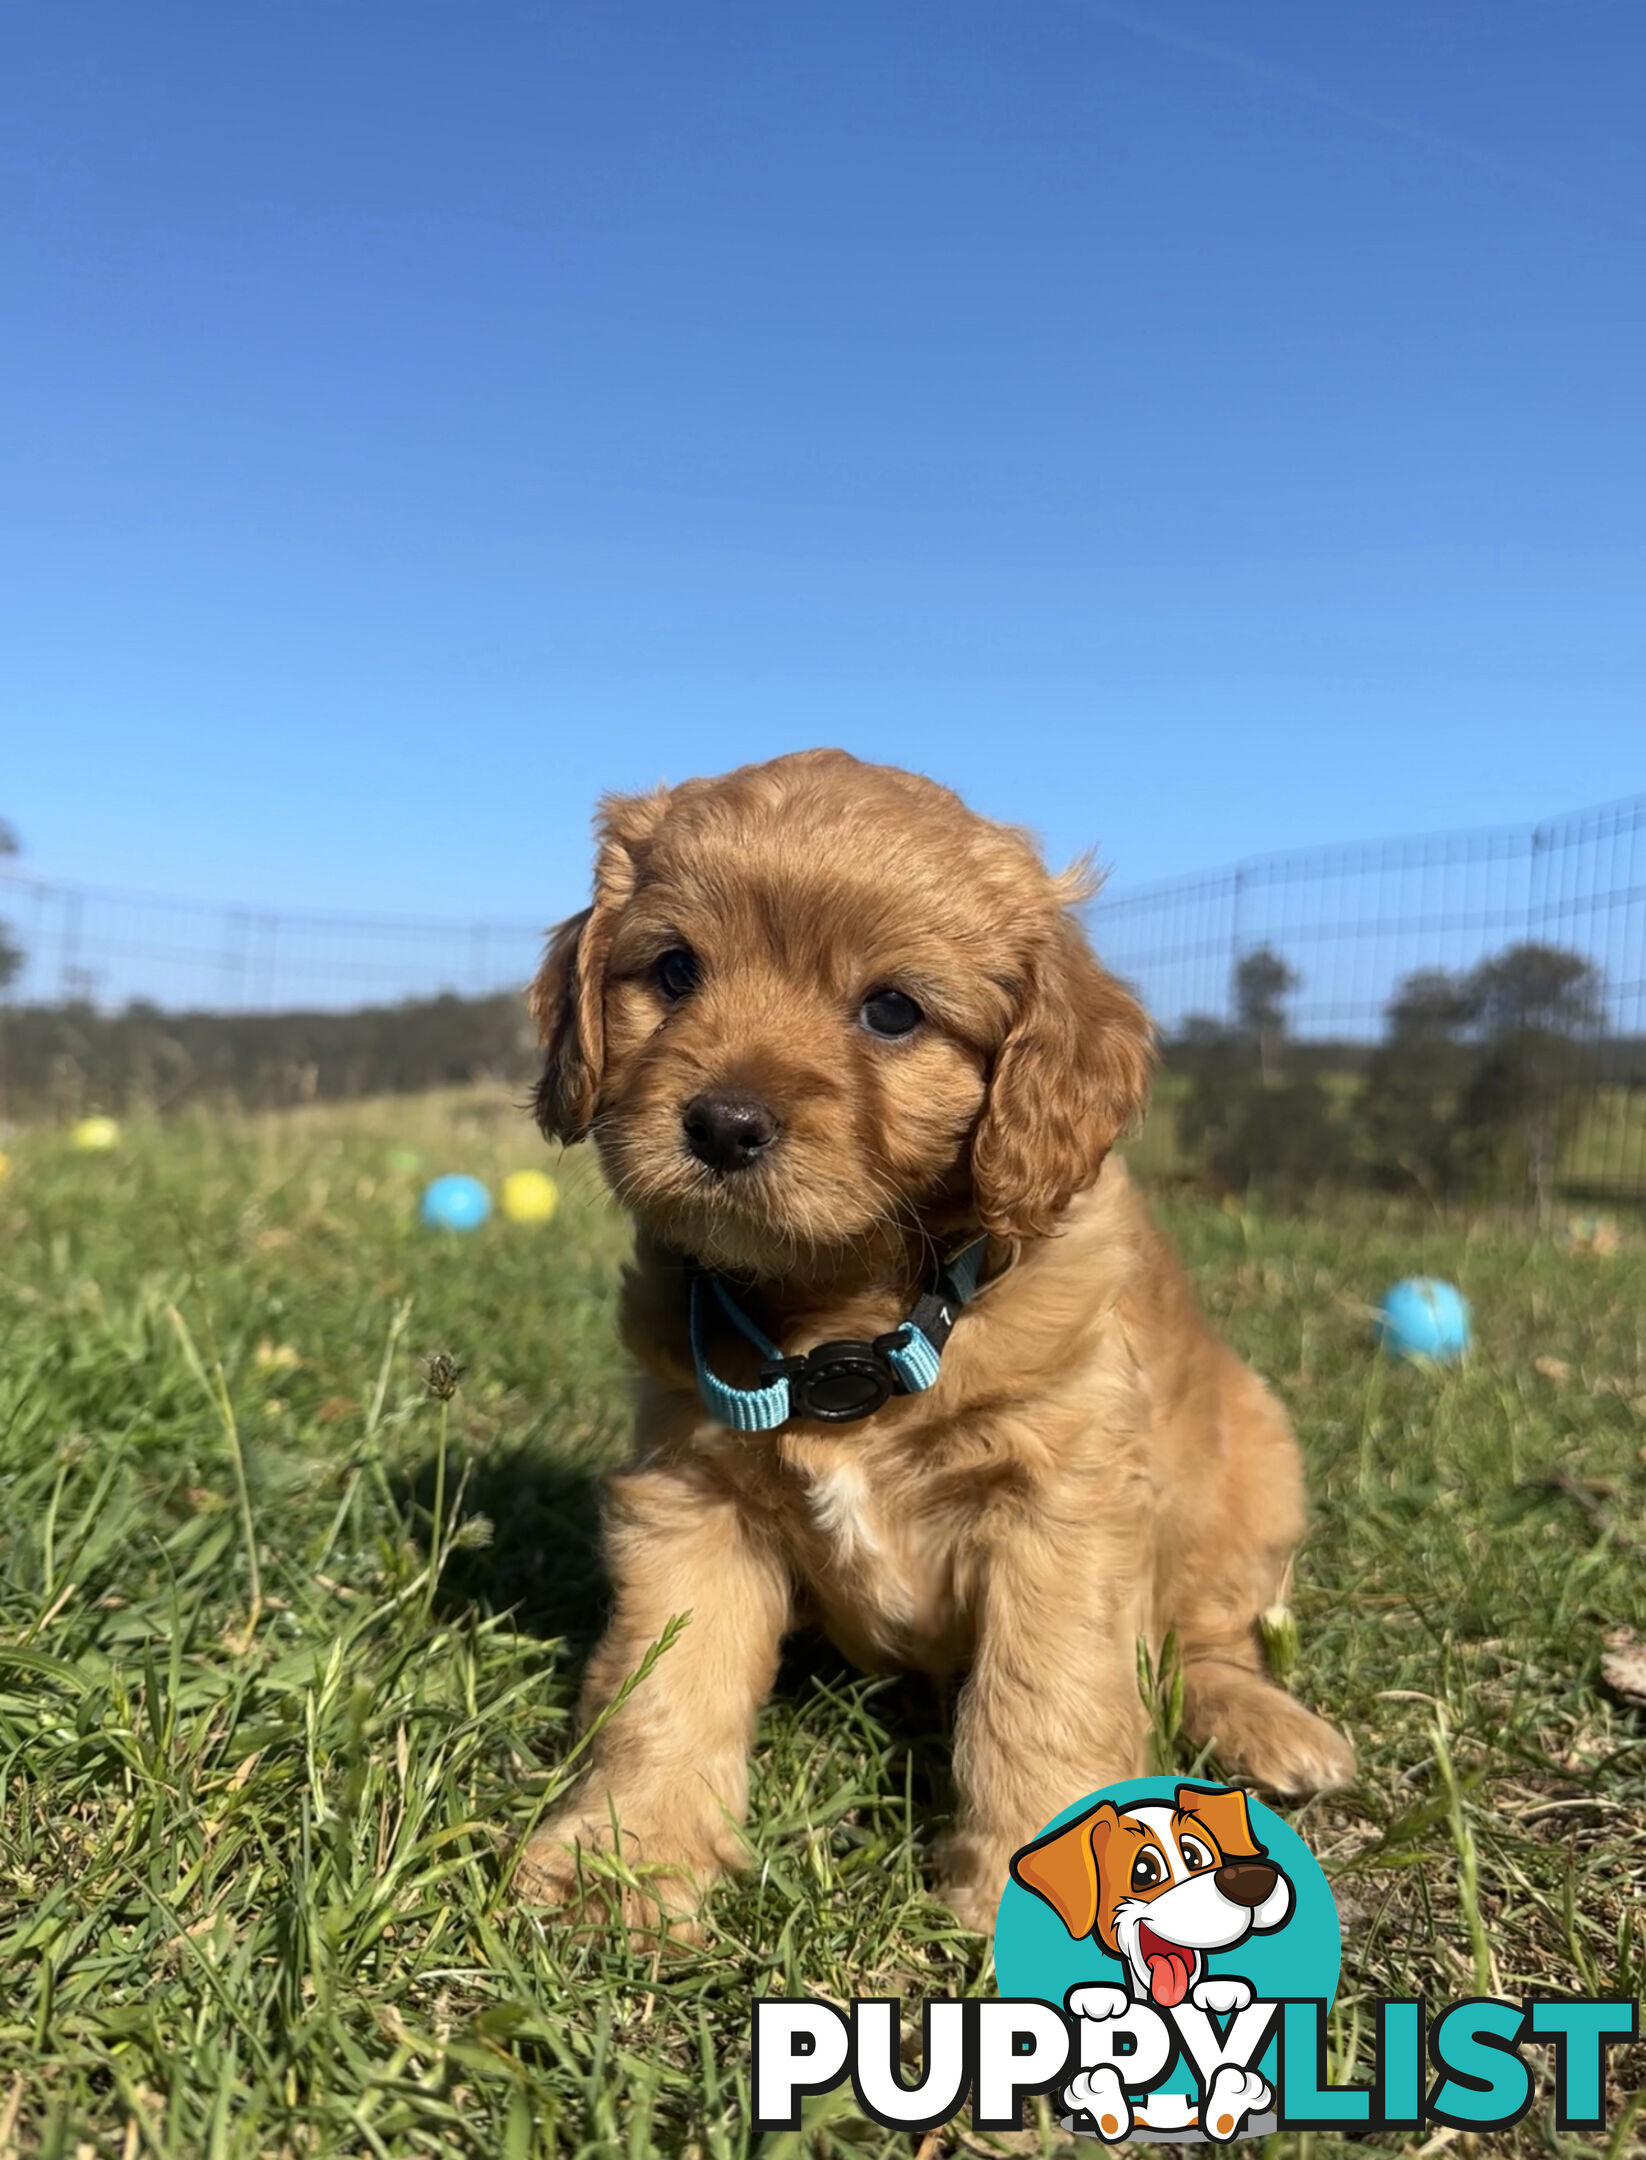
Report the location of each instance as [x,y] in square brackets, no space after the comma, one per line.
[728,1132]
[1246,1882]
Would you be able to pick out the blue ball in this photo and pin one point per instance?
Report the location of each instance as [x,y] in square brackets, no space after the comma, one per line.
[456,1202]
[1423,1318]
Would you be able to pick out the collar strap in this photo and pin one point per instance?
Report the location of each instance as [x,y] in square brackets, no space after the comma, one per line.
[838,1382]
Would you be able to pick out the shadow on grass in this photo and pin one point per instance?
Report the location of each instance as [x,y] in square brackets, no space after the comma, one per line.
[541,1560]
[905,1720]
[542,1563]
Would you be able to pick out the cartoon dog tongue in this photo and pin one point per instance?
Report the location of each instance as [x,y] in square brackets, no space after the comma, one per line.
[1170,1967]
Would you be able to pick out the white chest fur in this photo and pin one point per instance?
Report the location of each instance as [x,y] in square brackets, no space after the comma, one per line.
[870,1576]
[838,1497]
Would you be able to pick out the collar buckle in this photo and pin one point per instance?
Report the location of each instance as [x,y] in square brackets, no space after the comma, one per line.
[839,1382]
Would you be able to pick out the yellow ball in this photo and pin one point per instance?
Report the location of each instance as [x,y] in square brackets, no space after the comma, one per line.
[5,1165]
[95,1132]
[529,1196]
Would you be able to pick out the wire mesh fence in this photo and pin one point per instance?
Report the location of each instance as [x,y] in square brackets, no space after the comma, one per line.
[1354,921]
[123,1000]
[81,946]
[1456,1013]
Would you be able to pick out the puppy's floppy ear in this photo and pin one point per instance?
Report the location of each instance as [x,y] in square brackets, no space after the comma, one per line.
[563,1099]
[1072,1072]
[567,995]
[1226,1816]
[1065,1868]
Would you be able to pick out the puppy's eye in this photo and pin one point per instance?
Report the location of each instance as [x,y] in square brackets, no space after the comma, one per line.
[676,972]
[1195,1855]
[1147,1871]
[890,1013]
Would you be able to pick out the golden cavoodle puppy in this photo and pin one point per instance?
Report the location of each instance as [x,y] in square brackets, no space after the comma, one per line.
[915,1363]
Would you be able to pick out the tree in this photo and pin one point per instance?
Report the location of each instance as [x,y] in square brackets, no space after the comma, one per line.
[1263,981]
[1537,989]
[1242,1116]
[1532,1006]
[1216,1063]
[1408,1108]
[11,953]
[1283,1138]
[1431,1006]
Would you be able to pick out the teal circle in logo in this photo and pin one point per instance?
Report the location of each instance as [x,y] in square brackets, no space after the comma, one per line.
[1157,1887]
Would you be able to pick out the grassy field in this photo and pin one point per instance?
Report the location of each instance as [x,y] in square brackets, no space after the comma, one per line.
[288,1648]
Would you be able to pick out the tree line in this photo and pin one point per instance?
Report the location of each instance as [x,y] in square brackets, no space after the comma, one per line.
[59,1061]
[1477,1086]
[64,1059]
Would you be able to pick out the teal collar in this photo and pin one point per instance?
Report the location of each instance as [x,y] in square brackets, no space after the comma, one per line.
[838,1382]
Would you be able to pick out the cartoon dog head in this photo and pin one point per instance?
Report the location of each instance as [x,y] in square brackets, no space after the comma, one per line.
[1160,1886]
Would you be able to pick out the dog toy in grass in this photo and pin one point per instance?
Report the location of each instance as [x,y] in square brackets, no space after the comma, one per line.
[456,1202]
[95,1133]
[1424,1318]
[529,1196]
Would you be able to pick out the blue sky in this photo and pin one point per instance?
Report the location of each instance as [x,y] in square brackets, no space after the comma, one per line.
[1194,429]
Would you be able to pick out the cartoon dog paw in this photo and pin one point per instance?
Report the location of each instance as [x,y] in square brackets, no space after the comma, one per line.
[1221,1996]
[1235,2094]
[1097,2003]
[1100,2095]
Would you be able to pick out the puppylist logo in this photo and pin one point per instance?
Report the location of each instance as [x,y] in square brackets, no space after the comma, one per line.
[1167,1954]
[1171,1930]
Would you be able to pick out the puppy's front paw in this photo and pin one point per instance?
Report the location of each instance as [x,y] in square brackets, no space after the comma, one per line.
[1235,2094]
[1100,2095]
[659,1888]
[1097,2003]
[1221,1996]
[1287,1749]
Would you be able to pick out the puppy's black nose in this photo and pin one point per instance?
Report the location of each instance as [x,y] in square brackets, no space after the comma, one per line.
[1246,1882]
[728,1132]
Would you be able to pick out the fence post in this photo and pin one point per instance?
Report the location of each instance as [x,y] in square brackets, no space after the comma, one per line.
[68,963]
[1234,943]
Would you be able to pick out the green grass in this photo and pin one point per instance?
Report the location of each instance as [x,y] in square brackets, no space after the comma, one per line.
[1607,1153]
[288,1650]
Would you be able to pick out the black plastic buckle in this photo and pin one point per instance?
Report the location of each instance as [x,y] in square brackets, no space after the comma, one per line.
[839,1382]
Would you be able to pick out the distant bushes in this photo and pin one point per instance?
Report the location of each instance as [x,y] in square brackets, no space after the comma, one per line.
[1477,1086]
[1251,1116]
[60,1060]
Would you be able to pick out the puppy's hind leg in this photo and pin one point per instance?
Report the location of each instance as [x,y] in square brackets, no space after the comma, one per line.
[1230,1701]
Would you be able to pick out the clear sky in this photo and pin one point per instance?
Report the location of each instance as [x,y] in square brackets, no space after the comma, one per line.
[1194,428]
